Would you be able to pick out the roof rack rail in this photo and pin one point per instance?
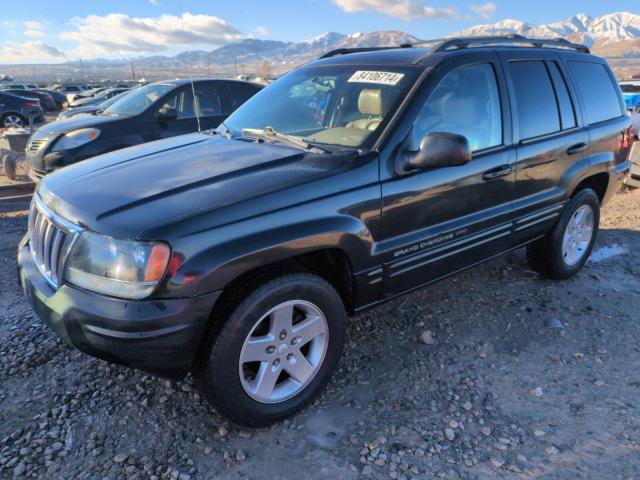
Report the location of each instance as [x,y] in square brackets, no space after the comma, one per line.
[455,43]
[345,51]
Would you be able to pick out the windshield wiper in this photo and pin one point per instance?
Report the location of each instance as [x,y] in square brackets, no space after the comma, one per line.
[270,132]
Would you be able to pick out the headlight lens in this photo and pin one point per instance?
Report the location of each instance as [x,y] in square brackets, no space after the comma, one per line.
[75,139]
[115,267]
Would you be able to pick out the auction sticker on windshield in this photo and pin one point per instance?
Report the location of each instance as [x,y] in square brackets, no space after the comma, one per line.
[382,78]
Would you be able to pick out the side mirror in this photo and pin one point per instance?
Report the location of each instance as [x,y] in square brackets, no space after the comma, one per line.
[166,114]
[437,149]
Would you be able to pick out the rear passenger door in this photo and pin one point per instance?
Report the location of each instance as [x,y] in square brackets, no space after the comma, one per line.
[551,141]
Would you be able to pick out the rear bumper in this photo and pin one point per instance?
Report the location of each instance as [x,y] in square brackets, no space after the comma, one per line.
[158,336]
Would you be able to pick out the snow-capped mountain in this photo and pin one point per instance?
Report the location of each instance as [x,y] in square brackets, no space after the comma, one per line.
[612,28]
[615,36]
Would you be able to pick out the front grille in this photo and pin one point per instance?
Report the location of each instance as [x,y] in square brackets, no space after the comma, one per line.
[50,240]
[34,145]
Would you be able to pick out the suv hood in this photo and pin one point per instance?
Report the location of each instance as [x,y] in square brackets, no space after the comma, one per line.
[130,192]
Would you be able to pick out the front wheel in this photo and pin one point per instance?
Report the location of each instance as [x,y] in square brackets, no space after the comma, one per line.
[566,248]
[276,350]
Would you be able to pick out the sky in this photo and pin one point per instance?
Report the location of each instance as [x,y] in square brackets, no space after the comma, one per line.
[35,31]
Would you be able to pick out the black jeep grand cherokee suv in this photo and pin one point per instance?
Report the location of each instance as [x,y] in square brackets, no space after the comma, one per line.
[238,253]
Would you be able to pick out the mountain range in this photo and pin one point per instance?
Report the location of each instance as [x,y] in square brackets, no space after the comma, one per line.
[608,29]
[615,36]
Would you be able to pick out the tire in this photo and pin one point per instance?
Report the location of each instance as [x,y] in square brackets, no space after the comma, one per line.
[229,378]
[550,256]
[9,120]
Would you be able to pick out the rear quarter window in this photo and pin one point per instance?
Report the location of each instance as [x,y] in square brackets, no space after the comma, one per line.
[597,90]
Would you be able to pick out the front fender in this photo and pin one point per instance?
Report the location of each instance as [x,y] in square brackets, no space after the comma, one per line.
[214,267]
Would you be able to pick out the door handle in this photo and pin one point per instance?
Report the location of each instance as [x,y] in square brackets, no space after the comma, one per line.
[577,148]
[501,171]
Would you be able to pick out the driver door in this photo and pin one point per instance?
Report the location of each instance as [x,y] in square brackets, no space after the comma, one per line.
[440,220]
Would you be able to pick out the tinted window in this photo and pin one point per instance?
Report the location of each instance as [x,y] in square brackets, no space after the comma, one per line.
[629,88]
[208,99]
[181,101]
[597,90]
[238,94]
[535,100]
[567,113]
[466,102]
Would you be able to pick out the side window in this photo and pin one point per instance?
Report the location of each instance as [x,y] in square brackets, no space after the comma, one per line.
[182,102]
[466,102]
[238,94]
[597,90]
[207,99]
[567,112]
[535,99]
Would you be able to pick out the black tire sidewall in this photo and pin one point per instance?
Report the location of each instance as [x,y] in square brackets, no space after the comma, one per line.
[558,265]
[220,375]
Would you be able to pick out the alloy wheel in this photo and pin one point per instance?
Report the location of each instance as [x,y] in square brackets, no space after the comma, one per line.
[577,235]
[284,351]
[12,121]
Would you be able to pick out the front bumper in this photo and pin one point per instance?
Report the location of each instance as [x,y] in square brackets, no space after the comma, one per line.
[158,336]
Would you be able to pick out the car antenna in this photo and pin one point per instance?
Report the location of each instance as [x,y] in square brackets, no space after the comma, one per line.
[196,106]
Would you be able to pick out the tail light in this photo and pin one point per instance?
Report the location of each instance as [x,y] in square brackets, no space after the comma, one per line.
[31,104]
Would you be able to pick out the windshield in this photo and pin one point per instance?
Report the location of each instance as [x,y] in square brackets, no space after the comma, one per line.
[138,100]
[334,105]
[630,88]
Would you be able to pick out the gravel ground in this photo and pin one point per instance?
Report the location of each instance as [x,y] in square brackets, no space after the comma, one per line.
[493,373]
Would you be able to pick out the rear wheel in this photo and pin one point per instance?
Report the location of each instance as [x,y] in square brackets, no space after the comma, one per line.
[276,350]
[564,250]
[12,120]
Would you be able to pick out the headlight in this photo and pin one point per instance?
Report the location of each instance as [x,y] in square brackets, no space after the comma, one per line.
[75,139]
[115,267]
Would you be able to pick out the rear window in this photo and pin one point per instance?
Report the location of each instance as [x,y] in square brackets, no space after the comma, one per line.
[597,90]
[535,99]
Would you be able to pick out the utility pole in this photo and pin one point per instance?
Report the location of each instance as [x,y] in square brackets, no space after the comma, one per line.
[133,73]
[235,65]
[82,70]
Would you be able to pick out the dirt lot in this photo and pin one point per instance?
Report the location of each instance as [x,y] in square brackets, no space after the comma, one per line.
[519,377]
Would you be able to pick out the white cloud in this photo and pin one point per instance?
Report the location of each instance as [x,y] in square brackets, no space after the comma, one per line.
[154,2]
[403,9]
[34,28]
[485,11]
[34,25]
[118,34]
[21,52]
